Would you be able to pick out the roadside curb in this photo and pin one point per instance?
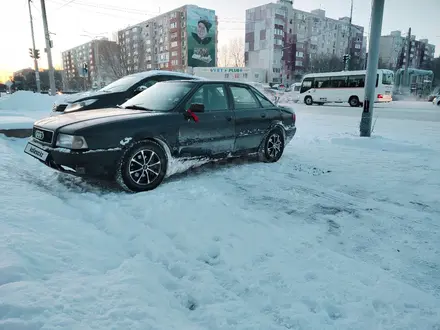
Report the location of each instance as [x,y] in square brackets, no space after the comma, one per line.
[17,132]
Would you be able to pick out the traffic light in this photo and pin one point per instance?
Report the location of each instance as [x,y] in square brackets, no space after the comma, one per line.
[85,68]
[34,53]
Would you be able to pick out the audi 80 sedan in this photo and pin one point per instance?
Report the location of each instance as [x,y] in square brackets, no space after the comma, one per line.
[134,143]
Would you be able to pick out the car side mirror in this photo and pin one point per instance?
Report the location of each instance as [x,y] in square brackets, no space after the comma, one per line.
[193,109]
[197,107]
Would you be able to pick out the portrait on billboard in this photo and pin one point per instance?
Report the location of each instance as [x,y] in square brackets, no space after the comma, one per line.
[201,42]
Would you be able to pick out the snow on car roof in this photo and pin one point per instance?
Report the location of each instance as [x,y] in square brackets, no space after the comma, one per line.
[146,74]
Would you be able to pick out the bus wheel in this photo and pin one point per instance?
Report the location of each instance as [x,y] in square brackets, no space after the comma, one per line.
[354,101]
[308,100]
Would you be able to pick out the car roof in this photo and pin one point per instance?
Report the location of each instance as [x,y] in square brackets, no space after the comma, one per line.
[146,74]
[218,81]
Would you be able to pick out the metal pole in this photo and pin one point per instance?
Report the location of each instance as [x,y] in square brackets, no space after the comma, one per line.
[48,50]
[408,58]
[37,72]
[373,61]
[347,61]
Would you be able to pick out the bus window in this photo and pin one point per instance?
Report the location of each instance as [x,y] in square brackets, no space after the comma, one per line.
[387,78]
[322,82]
[306,84]
[338,82]
[356,81]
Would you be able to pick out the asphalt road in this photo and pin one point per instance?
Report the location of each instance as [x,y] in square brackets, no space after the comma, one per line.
[404,110]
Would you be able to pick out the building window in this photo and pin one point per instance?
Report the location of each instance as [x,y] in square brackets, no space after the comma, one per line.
[174,44]
[173,25]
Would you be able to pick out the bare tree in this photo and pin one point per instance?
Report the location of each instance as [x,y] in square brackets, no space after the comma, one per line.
[110,63]
[223,56]
[236,52]
[326,63]
[232,54]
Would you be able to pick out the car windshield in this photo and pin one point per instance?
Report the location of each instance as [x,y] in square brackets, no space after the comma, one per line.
[121,85]
[163,96]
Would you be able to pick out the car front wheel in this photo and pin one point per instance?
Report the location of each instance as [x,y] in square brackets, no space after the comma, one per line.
[273,146]
[142,167]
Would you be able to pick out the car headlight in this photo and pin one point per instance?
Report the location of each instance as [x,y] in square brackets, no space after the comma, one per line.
[71,141]
[79,105]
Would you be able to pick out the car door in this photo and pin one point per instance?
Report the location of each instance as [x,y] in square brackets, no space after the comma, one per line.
[254,114]
[214,132]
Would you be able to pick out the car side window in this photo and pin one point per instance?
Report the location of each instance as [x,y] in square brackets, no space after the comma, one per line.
[263,100]
[213,96]
[243,98]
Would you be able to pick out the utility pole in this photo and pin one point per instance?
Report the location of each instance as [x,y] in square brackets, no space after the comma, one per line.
[348,54]
[48,50]
[408,58]
[373,61]
[37,72]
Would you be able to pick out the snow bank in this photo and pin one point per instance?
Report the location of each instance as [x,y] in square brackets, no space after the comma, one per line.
[342,233]
[25,101]
[21,109]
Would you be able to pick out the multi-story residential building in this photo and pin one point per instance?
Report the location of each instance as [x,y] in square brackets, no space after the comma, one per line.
[177,40]
[290,42]
[102,58]
[394,47]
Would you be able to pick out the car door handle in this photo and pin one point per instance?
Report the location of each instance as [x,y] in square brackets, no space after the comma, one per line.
[263,115]
[228,118]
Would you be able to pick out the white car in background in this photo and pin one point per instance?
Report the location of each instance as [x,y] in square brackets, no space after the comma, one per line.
[436,100]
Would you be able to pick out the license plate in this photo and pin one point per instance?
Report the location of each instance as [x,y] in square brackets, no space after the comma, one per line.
[387,93]
[36,152]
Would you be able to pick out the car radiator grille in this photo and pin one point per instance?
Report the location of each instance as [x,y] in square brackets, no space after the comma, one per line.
[42,135]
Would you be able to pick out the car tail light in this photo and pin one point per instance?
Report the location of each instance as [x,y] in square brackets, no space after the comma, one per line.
[294,118]
[379,96]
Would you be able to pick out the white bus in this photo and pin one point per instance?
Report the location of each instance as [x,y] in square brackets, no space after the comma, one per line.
[344,86]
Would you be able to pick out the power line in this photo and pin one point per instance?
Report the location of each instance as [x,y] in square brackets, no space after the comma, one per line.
[66,4]
[131,10]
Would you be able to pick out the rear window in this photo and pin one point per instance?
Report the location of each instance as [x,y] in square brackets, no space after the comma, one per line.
[387,78]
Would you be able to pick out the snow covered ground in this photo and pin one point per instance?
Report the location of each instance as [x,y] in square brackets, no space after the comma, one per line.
[341,233]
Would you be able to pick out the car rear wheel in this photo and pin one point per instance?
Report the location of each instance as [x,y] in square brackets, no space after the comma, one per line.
[354,101]
[142,167]
[272,147]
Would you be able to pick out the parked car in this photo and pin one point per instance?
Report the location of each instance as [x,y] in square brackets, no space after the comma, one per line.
[436,101]
[435,94]
[135,142]
[117,92]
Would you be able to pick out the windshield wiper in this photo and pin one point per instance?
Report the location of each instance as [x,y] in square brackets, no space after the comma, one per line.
[136,107]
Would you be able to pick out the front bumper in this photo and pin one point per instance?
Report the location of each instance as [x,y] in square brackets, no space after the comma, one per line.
[91,163]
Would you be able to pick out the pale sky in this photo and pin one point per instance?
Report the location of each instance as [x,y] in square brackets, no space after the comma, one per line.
[70,19]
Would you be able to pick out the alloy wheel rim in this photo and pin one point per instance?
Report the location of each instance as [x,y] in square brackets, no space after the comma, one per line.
[144,167]
[274,145]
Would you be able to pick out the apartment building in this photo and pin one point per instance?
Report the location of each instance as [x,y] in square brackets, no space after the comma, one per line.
[177,40]
[103,64]
[394,47]
[289,42]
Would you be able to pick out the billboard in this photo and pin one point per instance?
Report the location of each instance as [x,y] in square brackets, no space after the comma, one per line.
[201,32]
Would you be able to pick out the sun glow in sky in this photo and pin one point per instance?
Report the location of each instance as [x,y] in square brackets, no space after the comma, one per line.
[73,22]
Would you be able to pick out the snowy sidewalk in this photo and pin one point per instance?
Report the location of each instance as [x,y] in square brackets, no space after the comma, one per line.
[342,233]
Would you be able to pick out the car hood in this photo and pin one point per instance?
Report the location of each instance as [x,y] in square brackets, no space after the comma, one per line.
[81,96]
[55,122]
